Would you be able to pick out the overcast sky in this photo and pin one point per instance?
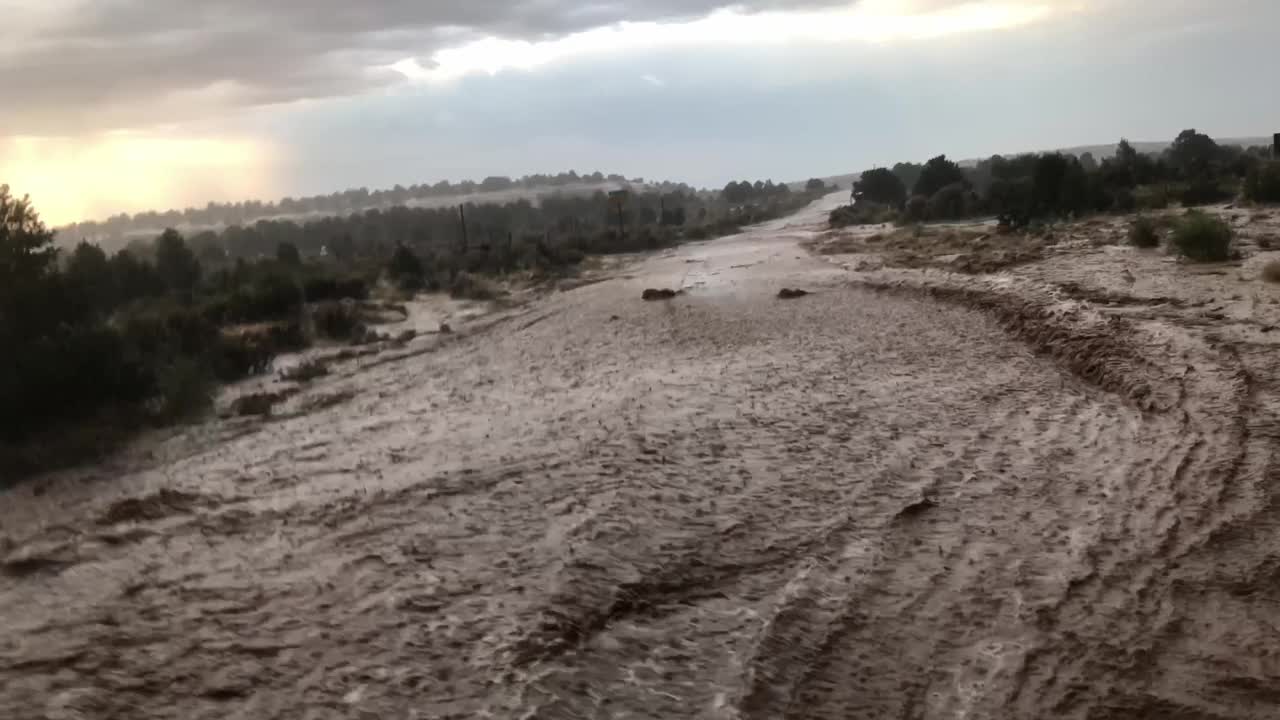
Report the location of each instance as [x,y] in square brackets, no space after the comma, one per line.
[116,105]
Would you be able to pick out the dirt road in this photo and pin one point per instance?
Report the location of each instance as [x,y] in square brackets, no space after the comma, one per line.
[906,495]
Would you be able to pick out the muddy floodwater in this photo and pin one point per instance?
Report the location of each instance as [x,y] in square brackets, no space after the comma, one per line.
[908,494]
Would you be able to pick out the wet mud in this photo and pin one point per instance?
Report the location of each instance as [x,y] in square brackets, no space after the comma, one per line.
[913,493]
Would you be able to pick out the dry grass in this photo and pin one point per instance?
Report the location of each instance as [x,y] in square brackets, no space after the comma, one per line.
[967,249]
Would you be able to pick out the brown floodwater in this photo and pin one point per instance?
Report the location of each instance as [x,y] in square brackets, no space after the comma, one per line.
[907,494]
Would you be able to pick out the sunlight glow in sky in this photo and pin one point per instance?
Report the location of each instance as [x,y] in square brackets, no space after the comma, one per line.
[78,178]
[875,21]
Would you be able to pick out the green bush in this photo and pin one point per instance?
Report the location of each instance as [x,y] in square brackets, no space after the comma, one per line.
[1123,200]
[69,373]
[186,390]
[1263,182]
[287,254]
[1205,192]
[917,209]
[240,355]
[880,187]
[237,355]
[1011,221]
[473,287]
[319,288]
[163,330]
[863,213]
[1151,197]
[337,320]
[573,255]
[937,174]
[89,439]
[1143,233]
[843,216]
[952,202]
[729,226]
[276,295]
[1202,238]
[406,270]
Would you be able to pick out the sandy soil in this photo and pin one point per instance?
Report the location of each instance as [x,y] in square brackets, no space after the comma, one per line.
[1045,492]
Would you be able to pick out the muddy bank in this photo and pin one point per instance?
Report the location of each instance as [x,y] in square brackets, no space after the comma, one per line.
[1103,350]
[971,248]
[1181,636]
[907,494]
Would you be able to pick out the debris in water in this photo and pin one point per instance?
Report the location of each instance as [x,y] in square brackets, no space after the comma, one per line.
[155,506]
[305,372]
[258,403]
[790,293]
[918,507]
[663,294]
[21,566]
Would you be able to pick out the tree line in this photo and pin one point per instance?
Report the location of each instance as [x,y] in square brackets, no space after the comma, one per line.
[493,238]
[143,334]
[215,214]
[1193,170]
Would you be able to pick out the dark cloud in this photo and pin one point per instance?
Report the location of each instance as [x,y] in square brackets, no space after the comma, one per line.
[720,114]
[104,63]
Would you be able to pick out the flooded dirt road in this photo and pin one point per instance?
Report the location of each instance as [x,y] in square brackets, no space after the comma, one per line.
[905,495]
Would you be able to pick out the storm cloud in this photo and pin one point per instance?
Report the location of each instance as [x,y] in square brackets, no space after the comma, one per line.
[81,65]
[231,99]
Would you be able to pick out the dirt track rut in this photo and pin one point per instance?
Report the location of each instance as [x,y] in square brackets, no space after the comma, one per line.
[905,495]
